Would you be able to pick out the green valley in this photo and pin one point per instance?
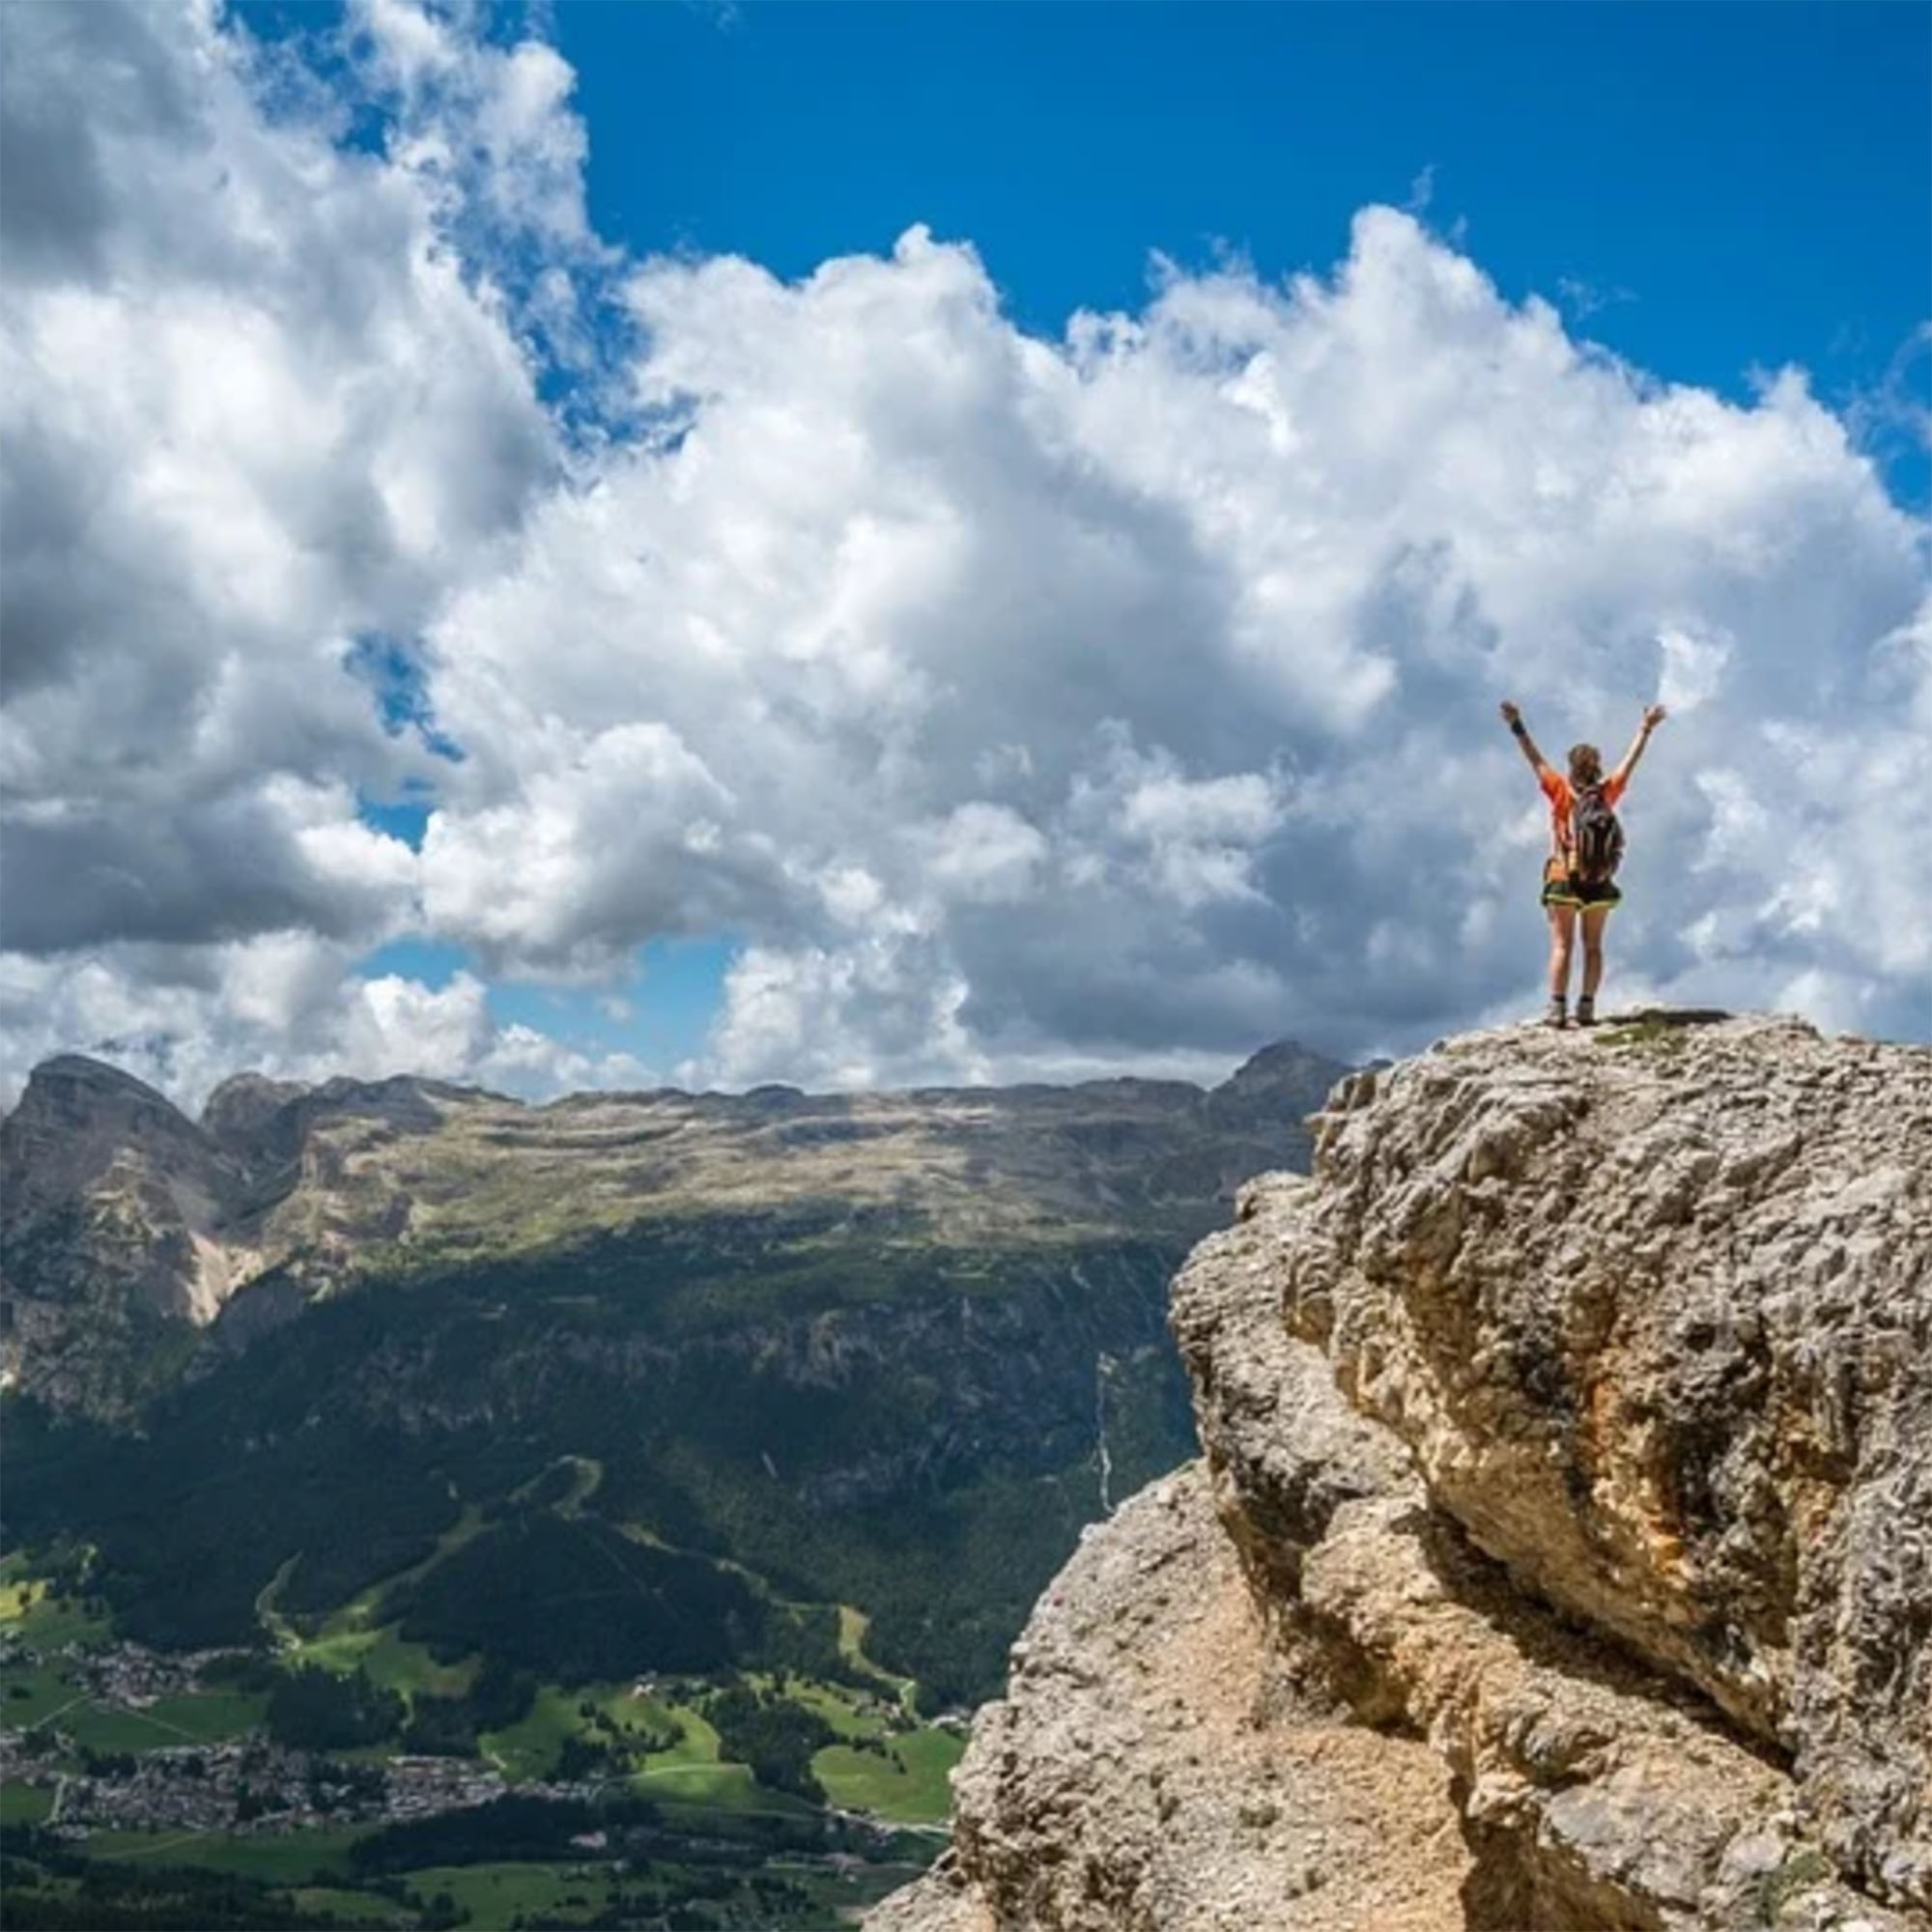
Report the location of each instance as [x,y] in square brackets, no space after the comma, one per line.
[560,1525]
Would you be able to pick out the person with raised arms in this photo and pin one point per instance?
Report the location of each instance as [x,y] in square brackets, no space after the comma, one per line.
[1586,846]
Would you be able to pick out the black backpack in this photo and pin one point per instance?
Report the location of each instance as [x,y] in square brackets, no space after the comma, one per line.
[1596,838]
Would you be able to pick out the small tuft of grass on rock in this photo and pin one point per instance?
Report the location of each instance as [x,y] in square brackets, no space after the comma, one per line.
[1661,1027]
[1799,1873]
[1653,1034]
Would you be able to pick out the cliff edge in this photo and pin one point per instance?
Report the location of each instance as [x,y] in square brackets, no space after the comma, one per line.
[1560,1555]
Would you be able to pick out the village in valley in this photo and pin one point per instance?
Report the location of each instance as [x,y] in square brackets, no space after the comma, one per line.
[111,1750]
[193,1785]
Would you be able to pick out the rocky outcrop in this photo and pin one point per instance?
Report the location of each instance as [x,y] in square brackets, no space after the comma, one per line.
[111,1208]
[1570,1428]
[86,1136]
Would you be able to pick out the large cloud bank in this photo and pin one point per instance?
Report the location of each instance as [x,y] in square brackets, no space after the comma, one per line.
[1018,707]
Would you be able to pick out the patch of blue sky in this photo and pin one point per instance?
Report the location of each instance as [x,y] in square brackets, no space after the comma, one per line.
[576,346]
[1708,190]
[435,962]
[406,817]
[314,42]
[659,1013]
[395,675]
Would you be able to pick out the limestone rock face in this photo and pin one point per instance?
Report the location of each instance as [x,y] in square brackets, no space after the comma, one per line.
[1155,1768]
[1570,1427]
[1653,1311]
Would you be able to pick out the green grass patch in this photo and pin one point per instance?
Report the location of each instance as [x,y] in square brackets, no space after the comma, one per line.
[291,1858]
[185,1718]
[276,1627]
[44,1624]
[361,1632]
[387,1659]
[722,1786]
[528,1747]
[104,1727]
[836,1706]
[48,1692]
[908,1786]
[359,1908]
[18,1587]
[209,1716]
[1652,1035]
[188,1718]
[494,1894]
[30,1613]
[710,1787]
[853,1625]
[700,1745]
[25,1803]
[694,1777]
[692,1774]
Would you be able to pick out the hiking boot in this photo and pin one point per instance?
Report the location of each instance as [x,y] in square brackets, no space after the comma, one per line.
[1586,1012]
[1555,1015]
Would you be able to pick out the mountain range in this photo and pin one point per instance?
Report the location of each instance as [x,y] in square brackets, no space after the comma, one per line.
[888,1351]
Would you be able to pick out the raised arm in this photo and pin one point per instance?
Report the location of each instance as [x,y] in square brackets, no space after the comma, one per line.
[1653,716]
[1519,730]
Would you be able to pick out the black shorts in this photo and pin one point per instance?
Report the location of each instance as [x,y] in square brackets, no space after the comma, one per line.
[1565,889]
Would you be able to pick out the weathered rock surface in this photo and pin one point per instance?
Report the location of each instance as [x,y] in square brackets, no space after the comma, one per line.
[1155,1767]
[1573,1427]
[1654,1311]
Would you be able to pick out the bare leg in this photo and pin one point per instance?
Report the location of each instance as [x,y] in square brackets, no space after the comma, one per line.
[1594,921]
[1562,933]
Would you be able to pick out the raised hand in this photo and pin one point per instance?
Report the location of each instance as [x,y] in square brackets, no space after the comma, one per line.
[1511,715]
[1654,715]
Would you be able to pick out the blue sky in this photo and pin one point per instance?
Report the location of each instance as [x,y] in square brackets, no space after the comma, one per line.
[958,693]
[1738,186]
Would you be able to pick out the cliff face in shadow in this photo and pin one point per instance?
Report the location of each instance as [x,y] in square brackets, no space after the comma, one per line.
[1560,1555]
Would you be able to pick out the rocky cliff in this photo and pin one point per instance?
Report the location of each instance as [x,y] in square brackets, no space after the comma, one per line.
[1560,1555]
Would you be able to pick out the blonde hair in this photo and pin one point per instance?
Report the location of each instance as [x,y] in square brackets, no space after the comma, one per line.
[1586,765]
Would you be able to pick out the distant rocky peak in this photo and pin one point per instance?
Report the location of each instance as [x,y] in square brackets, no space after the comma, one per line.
[70,1077]
[238,1111]
[403,1099]
[1282,1081]
[266,1124]
[90,1110]
[1284,1060]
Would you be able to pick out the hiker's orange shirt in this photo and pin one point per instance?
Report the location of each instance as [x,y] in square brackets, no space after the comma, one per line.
[1563,802]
